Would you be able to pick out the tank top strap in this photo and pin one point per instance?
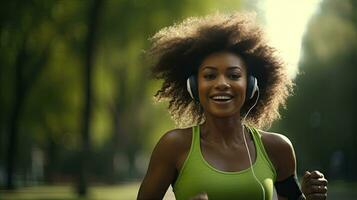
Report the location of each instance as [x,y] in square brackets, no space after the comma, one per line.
[260,147]
[196,175]
[195,139]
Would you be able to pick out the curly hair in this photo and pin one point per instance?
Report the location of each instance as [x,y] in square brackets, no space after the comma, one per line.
[177,52]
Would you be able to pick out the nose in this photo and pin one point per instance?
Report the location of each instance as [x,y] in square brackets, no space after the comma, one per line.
[222,83]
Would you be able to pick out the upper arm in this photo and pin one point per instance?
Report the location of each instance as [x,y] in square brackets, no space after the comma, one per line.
[162,168]
[281,152]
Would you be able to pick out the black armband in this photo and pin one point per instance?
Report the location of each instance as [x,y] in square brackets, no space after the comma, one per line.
[289,188]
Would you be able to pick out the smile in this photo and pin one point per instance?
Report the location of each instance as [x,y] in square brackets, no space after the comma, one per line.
[222,98]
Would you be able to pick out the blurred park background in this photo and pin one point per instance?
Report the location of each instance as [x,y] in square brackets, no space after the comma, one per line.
[77,116]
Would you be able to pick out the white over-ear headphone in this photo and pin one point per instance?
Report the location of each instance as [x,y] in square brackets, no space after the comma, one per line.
[190,82]
[253,86]
[192,87]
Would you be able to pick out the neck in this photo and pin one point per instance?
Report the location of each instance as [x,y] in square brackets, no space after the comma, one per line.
[227,131]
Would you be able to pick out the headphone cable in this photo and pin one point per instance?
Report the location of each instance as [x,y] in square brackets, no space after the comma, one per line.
[246,146]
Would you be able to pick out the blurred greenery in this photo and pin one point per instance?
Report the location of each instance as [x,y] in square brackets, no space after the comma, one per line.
[46,54]
[320,119]
[128,191]
[43,55]
[123,192]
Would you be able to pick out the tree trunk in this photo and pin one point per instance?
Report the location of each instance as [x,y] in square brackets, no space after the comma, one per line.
[14,118]
[89,50]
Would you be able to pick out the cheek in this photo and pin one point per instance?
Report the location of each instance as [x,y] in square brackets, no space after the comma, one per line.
[202,90]
[240,91]
[243,89]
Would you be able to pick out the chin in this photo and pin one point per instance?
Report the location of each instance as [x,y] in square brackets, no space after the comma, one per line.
[224,114]
[222,109]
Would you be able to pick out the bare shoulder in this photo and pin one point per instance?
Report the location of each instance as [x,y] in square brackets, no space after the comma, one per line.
[162,170]
[281,152]
[174,145]
[175,138]
[176,135]
[275,141]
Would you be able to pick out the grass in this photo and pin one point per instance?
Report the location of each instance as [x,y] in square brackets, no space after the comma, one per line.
[128,191]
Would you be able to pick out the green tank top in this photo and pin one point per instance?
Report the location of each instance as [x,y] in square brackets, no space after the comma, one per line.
[197,175]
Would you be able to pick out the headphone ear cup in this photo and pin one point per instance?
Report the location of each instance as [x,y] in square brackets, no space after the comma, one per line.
[252,87]
[192,88]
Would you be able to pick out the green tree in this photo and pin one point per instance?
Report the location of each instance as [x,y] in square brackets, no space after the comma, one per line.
[28,56]
[320,117]
[89,58]
[44,102]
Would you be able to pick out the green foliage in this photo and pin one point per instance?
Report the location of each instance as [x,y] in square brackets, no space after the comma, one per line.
[320,117]
[51,35]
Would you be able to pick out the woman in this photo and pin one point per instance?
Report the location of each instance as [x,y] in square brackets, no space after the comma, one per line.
[220,76]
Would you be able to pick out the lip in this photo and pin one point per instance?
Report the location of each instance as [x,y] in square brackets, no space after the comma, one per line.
[221,94]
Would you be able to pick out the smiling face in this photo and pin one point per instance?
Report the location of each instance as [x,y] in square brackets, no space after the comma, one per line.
[222,82]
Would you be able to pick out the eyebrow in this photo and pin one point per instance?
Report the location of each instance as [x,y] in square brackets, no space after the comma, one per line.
[230,67]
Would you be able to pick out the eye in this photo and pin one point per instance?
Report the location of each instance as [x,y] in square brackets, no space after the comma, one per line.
[209,76]
[234,76]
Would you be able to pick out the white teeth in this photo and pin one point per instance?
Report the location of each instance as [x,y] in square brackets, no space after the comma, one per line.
[221,97]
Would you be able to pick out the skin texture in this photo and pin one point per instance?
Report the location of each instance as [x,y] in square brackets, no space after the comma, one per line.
[222,144]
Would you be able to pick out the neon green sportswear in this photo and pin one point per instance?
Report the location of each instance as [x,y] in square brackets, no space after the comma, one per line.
[198,176]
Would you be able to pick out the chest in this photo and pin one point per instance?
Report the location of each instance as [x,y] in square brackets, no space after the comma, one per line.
[222,176]
[230,159]
[223,172]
